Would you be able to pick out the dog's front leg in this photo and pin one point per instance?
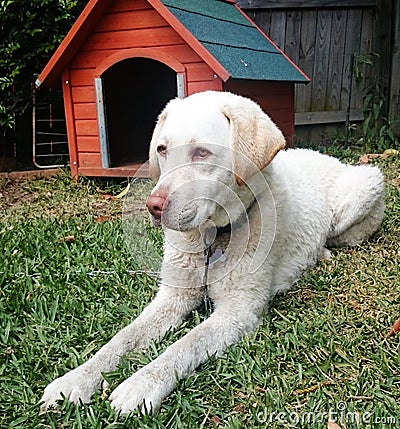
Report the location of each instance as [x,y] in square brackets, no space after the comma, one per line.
[151,384]
[167,310]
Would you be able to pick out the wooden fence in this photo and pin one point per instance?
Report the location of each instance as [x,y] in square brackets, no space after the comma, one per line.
[322,37]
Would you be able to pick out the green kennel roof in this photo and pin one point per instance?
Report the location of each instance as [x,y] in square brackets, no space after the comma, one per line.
[234,40]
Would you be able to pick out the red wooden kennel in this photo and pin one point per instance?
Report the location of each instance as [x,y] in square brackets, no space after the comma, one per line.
[124,59]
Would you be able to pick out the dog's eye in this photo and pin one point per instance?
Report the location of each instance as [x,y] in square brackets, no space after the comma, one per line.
[200,153]
[162,149]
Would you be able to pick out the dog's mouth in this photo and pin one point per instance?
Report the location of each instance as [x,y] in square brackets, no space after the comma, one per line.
[156,222]
[182,220]
[188,223]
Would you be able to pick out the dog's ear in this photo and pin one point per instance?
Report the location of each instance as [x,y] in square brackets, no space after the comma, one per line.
[254,138]
[154,168]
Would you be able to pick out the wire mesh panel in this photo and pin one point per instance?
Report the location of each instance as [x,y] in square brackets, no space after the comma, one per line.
[50,143]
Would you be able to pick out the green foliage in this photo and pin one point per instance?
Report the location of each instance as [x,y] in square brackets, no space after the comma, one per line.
[376,130]
[30,32]
[360,61]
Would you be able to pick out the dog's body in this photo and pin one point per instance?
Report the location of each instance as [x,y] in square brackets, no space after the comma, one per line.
[217,159]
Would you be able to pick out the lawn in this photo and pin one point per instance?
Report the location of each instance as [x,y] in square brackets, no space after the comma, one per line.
[68,283]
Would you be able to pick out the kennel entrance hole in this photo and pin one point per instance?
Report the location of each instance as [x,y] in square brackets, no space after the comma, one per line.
[135,92]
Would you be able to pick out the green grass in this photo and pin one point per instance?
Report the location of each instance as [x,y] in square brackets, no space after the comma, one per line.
[322,346]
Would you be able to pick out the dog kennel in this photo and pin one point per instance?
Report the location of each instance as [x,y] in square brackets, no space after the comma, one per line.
[124,59]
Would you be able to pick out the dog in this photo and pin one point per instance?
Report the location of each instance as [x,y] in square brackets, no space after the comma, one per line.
[242,220]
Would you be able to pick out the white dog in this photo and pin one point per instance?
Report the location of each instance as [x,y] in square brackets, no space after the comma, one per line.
[242,220]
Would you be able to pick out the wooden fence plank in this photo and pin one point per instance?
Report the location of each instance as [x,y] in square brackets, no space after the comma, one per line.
[336,53]
[321,60]
[278,28]
[263,19]
[306,58]
[394,102]
[382,45]
[352,46]
[292,36]
[326,117]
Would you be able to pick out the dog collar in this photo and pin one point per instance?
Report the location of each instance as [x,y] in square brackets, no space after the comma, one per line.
[237,224]
[217,255]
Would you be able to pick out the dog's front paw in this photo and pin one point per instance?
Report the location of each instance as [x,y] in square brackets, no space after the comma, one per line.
[141,391]
[77,386]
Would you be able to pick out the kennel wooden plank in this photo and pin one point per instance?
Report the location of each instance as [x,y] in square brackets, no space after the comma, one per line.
[134,170]
[83,77]
[253,88]
[130,20]
[89,159]
[85,111]
[215,84]
[88,144]
[271,102]
[83,94]
[86,127]
[281,109]
[128,5]
[198,72]
[183,53]
[157,55]
[90,59]
[288,132]
[280,117]
[133,39]
[286,128]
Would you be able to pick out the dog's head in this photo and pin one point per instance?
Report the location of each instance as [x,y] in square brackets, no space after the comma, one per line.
[203,151]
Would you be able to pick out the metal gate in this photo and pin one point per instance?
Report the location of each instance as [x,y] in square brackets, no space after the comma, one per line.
[50,143]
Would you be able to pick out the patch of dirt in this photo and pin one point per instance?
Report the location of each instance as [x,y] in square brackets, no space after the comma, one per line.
[60,197]
[13,192]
